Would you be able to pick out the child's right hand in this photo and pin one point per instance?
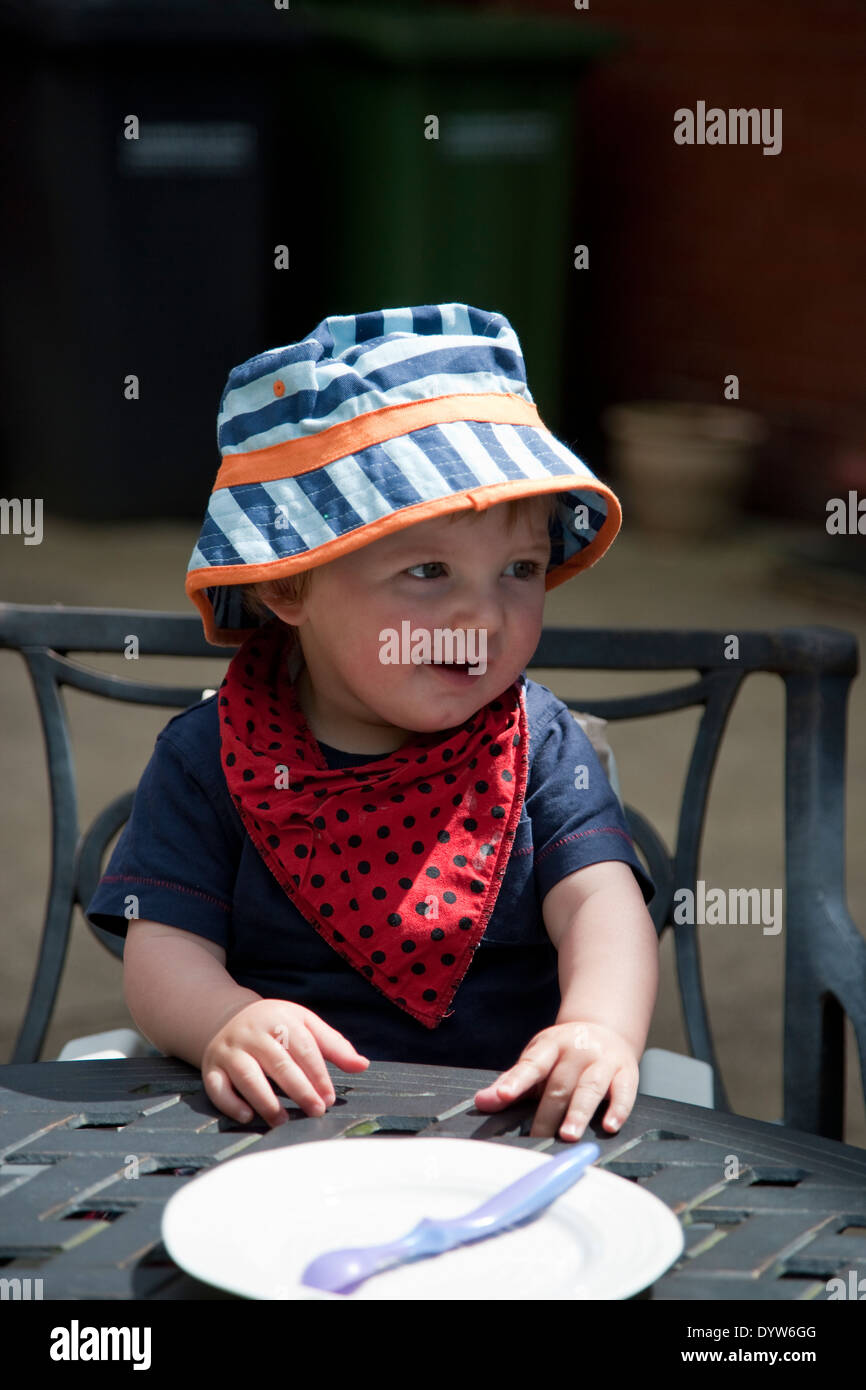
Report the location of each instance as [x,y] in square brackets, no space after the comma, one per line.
[272,1038]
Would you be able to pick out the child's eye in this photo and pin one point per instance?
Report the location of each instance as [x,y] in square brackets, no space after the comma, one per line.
[528,569]
[531,569]
[427,565]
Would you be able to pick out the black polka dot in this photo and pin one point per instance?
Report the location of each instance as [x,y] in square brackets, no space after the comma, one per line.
[319,822]
[443,837]
[397,797]
[465,923]
[383,832]
[379,893]
[421,909]
[394,919]
[317,880]
[326,910]
[456,800]
[429,995]
[450,777]
[363,866]
[476,886]
[470,823]
[407,946]
[447,959]
[460,860]
[344,875]
[424,787]
[408,821]
[498,812]
[450,897]
[231,759]
[365,931]
[391,857]
[437,934]
[335,848]
[506,776]
[354,841]
[338,936]
[378,957]
[479,787]
[417,847]
[342,815]
[274,841]
[263,806]
[248,774]
[447,754]
[419,968]
[301,851]
[353,903]
[432,871]
[405,882]
[495,749]
[367,970]
[250,725]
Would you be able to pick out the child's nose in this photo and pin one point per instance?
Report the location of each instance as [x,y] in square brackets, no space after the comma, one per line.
[477,608]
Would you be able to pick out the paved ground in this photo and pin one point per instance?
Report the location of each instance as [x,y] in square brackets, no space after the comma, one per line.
[725,584]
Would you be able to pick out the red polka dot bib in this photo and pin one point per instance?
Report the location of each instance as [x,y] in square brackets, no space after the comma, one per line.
[396,863]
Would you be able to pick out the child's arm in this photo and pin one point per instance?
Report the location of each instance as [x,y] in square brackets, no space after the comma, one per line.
[186,1003]
[608,980]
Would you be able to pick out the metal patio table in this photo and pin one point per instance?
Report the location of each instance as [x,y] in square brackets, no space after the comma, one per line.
[71,1215]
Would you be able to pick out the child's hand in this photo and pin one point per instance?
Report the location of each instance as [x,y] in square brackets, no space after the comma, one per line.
[272,1038]
[580,1063]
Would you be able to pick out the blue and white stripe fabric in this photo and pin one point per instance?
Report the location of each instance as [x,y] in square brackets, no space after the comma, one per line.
[316,460]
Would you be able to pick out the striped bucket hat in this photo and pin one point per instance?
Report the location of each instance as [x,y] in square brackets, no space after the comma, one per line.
[372,423]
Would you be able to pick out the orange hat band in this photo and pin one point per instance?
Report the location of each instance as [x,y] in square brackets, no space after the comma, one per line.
[295,456]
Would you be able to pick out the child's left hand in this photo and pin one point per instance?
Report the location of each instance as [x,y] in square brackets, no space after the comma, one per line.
[580,1063]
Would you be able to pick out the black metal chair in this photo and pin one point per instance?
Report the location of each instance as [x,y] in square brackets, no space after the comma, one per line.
[825,960]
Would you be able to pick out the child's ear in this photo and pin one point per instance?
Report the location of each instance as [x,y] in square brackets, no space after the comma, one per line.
[288,610]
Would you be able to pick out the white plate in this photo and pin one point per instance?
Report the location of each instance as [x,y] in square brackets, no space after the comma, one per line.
[253,1224]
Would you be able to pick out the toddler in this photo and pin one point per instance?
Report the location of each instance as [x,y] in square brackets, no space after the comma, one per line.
[379,834]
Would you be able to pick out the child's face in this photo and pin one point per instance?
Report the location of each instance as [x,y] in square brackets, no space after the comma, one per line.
[471,575]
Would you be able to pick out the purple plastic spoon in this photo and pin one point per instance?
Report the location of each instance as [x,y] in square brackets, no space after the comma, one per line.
[342,1271]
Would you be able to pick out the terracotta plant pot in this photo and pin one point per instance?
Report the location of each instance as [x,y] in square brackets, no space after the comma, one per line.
[682,467]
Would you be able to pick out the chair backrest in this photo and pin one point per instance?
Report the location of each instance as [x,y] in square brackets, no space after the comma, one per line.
[825,955]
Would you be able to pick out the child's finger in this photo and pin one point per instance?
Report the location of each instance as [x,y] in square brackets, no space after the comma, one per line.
[296,1064]
[532,1067]
[222,1094]
[623,1093]
[335,1046]
[570,1117]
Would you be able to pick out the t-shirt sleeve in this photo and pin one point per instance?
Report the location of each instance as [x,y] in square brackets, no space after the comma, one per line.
[175,861]
[576,817]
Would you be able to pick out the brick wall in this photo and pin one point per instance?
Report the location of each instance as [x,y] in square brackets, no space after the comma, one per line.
[716,259]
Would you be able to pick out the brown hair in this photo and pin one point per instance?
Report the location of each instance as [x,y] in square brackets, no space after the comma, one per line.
[295,586]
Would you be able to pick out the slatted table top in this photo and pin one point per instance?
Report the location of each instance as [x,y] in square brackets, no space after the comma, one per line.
[767,1212]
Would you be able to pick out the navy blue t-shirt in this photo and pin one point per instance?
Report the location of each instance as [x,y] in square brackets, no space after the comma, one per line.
[185,856]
